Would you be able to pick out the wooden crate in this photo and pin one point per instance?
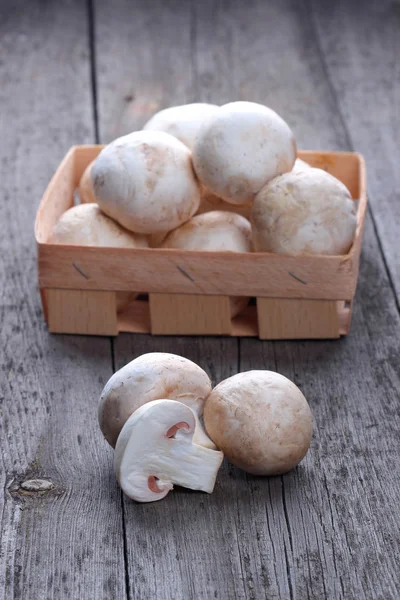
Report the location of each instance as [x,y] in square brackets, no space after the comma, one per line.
[188,292]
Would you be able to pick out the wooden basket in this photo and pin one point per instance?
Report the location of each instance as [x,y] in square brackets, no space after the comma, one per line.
[188,292]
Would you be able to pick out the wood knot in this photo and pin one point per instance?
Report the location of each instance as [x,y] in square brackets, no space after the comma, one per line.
[37,485]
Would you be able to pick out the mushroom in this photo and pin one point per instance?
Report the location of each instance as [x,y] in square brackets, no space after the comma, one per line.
[85,188]
[260,420]
[86,225]
[307,211]
[145,181]
[183,122]
[241,147]
[300,165]
[153,376]
[214,231]
[156,449]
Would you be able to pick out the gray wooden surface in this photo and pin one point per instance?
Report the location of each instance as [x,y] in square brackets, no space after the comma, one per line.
[329,529]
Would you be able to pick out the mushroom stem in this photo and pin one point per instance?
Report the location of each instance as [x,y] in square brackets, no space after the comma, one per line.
[189,465]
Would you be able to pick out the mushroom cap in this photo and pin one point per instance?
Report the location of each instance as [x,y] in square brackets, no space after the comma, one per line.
[146,182]
[85,188]
[260,420]
[304,212]
[152,376]
[212,231]
[86,225]
[240,148]
[300,165]
[183,122]
[156,448]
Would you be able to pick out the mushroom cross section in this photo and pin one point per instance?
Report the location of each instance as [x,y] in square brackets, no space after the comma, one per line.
[155,450]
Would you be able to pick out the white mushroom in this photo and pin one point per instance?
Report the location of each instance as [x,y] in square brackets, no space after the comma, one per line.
[240,148]
[85,188]
[214,231]
[156,449]
[300,165]
[260,420]
[307,212]
[86,225]
[153,376]
[183,122]
[145,181]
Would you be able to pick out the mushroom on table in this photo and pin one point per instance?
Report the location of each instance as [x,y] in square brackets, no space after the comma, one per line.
[153,376]
[260,420]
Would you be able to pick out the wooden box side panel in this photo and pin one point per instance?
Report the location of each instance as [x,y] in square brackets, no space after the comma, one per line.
[289,319]
[182,272]
[84,155]
[78,312]
[184,314]
[59,195]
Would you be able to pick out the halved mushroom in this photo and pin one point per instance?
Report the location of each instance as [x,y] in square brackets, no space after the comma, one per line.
[156,449]
[153,376]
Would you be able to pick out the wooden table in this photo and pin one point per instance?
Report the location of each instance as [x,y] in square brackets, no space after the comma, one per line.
[73,73]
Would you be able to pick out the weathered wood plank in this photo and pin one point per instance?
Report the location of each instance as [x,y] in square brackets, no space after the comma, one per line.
[360,42]
[143,61]
[66,540]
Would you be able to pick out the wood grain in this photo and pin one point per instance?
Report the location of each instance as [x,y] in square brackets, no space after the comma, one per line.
[361,45]
[184,314]
[88,313]
[65,541]
[192,272]
[283,319]
[143,68]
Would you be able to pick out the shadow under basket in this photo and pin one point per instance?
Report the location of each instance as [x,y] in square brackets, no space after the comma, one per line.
[187,292]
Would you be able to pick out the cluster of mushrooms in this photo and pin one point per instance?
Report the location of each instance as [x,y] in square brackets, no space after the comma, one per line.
[150,412]
[207,177]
